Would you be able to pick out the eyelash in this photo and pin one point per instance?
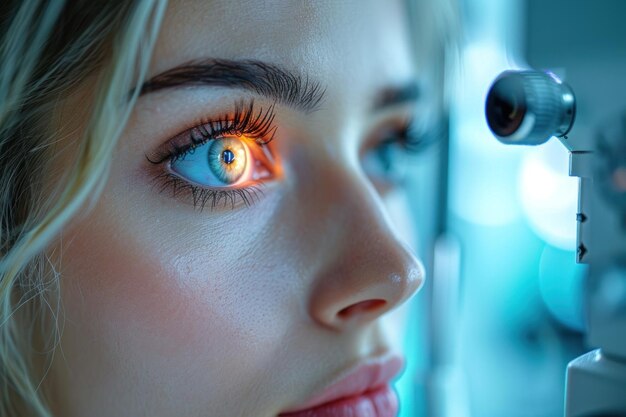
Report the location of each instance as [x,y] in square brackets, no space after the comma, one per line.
[207,196]
[416,139]
[244,121]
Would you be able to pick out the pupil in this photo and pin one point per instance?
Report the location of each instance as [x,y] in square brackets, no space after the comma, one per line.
[228,156]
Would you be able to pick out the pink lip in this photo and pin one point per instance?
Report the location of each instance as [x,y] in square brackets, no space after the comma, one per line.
[368,378]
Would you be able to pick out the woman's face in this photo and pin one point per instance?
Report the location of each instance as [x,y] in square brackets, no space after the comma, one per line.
[245,277]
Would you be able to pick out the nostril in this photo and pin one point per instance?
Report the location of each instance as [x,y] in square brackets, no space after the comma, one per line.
[361,307]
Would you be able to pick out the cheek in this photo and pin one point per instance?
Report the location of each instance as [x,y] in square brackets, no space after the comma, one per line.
[201,294]
[117,285]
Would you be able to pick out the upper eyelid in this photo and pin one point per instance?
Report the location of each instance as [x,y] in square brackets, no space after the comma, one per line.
[245,119]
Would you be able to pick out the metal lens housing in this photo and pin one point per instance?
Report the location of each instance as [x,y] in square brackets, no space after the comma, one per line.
[529,107]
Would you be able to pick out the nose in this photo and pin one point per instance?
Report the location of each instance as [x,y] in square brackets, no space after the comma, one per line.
[370,271]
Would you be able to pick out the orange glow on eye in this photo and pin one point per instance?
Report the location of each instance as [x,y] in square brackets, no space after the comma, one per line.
[265,159]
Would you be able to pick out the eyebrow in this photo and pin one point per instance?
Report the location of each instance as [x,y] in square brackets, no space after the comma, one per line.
[394,96]
[265,79]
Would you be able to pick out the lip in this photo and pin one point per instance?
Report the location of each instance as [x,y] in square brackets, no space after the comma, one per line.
[365,385]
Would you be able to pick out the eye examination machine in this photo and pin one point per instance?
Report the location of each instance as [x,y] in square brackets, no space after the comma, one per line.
[573,90]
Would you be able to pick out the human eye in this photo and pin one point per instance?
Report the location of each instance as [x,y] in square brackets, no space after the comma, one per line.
[222,162]
[393,148]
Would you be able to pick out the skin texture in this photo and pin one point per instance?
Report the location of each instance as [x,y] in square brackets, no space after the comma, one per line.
[247,311]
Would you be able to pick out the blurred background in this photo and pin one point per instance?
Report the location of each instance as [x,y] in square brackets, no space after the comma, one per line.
[501,314]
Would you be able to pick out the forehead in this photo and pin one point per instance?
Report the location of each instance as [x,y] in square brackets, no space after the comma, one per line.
[339,43]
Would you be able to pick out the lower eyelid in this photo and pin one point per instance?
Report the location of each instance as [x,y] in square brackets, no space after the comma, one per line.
[208,198]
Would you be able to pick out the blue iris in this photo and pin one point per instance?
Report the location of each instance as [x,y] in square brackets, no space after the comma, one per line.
[217,163]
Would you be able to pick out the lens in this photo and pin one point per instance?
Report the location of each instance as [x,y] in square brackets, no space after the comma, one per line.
[506,106]
[529,107]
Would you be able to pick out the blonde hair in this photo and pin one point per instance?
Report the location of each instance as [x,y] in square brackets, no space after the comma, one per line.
[46,49]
